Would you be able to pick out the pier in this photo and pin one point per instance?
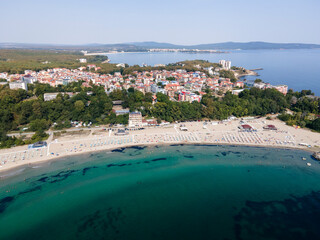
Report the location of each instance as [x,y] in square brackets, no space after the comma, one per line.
[256,69]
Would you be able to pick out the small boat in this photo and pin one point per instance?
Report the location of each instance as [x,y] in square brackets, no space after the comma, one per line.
[308,164]
[304,159]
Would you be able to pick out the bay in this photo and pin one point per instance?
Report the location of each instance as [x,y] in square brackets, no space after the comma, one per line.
[165,192]
[297,68]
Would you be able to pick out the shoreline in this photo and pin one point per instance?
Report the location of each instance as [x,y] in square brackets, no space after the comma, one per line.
[5,171]
[224,133]
[248,73]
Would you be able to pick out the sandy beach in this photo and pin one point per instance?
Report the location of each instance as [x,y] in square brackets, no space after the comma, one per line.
[226,132]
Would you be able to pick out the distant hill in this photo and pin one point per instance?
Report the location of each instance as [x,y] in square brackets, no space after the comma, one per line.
[144,46]
[255,45]
[155,45]
[230,45]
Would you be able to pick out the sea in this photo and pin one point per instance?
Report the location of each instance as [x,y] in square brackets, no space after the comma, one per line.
[165,192]
[297,68]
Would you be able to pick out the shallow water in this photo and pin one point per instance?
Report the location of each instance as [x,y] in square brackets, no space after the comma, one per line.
[166,192]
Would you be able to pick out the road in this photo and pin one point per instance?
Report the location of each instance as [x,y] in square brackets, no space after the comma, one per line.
[50,131]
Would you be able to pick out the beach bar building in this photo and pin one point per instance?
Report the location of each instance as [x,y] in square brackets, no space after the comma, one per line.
[270,127]
[121,132]
[246,128]
[39,144]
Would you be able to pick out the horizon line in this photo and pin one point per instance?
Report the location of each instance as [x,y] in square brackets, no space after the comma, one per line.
[133,43]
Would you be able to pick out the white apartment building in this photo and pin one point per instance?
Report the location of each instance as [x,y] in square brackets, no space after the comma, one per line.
[225,64]
[18,85]
[4,75]
[135,119]
[52,96]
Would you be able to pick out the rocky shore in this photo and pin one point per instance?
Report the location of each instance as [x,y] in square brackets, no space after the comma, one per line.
[316,155]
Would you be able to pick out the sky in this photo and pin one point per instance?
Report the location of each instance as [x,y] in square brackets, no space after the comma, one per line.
[175,21]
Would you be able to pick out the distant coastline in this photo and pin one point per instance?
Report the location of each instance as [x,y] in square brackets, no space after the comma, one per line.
[157,51]
[143,46]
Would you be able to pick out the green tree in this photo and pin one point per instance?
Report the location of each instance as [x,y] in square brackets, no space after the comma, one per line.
[316,124]
[79,106]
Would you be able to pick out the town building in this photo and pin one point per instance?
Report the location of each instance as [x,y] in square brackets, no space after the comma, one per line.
[135,119]
[189,96]
[225,64]
[52,96]
[18,85]
[281,88]
[237,91]
[121,65]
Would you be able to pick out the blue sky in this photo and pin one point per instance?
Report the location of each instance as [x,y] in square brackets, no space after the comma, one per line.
[175,21]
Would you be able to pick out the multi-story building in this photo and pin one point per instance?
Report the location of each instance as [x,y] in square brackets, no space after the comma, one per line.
[4,75]
[18,85]
[52,96]
[29,79]
[281,88]
[189,96]
[135,119]
[225,64]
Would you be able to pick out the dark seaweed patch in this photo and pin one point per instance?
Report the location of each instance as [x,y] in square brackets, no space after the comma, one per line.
[137,147]
[85,170]
[146,161]
[37,188]
[188,156]
[101,224]
[43,179]
[62,176]
[117,165]
[293,218]
[224,153]
[5,202]
[206,145]
[118,150]
[158,159]
[176,145]
[64,173]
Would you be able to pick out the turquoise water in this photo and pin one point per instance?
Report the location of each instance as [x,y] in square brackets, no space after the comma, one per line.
[165,192]
[298,68]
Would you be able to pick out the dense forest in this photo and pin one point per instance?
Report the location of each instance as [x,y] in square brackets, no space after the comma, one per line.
[17,61]
[20,108]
